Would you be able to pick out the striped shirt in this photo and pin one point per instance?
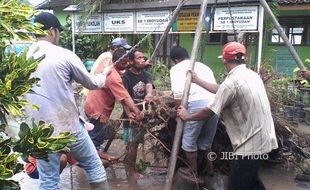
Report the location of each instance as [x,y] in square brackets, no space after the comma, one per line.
[245,108]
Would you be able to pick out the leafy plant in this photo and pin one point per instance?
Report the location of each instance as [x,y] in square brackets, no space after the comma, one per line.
[86,45]
[16,81]
[142,165]
[38,140]
[284,90]
[15,70]
[8,164]
[161,76]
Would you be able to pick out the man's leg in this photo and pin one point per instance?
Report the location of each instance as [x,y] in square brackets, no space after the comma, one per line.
[205,141]
[189,145]
[244,175]
[99,185]
[84,151]
[192,161]
[49,172]
[97,135]
[130,160]
[134,137]
[201,162]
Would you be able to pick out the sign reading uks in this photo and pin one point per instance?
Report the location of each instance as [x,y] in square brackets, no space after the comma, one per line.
[243,18]
[148,21]
[118,22]
[93,24]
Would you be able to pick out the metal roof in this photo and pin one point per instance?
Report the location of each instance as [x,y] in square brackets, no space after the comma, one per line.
[52,4]
[291,2]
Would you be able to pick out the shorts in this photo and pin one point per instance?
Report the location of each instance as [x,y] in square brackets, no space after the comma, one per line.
[133,134]
[34,174]
[198,135]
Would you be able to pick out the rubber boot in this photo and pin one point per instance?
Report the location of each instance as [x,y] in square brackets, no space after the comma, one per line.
[201,162]
[103,185]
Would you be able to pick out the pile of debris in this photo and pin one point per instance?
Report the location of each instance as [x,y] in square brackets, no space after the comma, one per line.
[294,145]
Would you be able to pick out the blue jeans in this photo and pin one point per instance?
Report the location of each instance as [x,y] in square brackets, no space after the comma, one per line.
[84,151]
[198,134]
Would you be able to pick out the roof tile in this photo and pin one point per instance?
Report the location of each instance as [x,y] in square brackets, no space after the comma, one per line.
[286,2]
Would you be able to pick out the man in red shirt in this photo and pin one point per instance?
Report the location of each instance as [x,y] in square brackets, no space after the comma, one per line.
[99,103]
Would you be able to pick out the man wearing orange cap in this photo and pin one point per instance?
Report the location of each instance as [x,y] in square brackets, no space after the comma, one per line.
[245,109]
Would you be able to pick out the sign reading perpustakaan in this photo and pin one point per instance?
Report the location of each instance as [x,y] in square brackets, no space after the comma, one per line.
[243,18]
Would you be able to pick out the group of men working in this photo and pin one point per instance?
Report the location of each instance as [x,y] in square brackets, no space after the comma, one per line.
[241,100]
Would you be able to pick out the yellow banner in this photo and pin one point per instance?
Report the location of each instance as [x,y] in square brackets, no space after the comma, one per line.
[187,20]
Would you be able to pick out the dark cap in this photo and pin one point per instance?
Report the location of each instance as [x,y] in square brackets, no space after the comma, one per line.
[121,42]
[48,20]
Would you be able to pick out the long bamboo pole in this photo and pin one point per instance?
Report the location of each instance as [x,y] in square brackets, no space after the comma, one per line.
[165,34]
[179,128]
[282,34]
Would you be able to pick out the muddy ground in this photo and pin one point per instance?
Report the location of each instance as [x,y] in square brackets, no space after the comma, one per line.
[275,177]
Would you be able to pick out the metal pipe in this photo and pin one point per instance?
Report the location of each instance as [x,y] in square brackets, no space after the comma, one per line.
[260,38]
[73,31]
[282,34]
[179,128]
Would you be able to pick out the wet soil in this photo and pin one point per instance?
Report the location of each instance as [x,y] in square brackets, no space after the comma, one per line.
[274,177]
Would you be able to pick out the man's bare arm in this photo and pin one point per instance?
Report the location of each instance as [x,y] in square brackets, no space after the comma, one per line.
[204,84]
[203,114]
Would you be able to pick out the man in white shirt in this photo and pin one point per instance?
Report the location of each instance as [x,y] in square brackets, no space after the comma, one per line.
[55,98]
[244,105]
[197,140]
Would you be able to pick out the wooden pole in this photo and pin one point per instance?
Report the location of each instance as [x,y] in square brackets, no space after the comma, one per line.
[179,128]
[165,34]
[282,34]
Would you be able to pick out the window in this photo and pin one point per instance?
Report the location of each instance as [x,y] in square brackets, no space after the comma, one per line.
[295,35]
[214,38]
[275,36]
[295,28]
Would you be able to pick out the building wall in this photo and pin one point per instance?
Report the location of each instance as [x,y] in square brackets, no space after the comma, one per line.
[209,53]
[61,15]
[270,51]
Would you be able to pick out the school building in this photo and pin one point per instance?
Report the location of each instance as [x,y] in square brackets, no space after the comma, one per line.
[231,19]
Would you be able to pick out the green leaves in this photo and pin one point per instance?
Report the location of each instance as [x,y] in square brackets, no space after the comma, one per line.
[8,161]
[16,24]
[38,141]
[161,76]
[142,165]
[15,82]
[15,70]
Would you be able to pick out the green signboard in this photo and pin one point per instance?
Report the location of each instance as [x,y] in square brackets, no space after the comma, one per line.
[285,63]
